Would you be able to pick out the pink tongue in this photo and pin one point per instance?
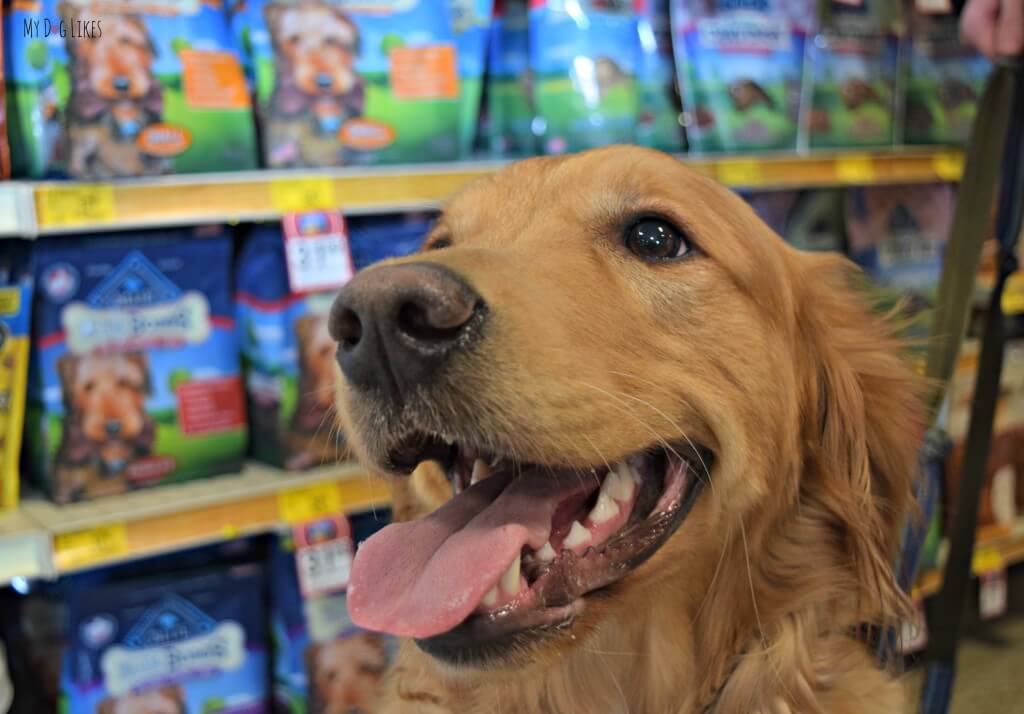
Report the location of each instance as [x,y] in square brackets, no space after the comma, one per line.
[424,577]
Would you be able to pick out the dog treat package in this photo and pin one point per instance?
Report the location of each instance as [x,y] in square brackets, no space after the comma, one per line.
[322,663]
[944,82]
[195,641]
[15,309]
[657,123]
[354,81]
[851,75]
[583,62]
[510,105]
[287,357]
[118,88]
[135,377]
[739,68]
[471,20]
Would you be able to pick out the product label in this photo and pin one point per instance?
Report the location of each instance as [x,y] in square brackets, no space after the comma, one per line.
[424,72]
[211,405]
[213,80]
[316,251]
[748,32]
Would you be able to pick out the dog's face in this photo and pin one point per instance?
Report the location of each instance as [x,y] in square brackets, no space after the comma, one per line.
[118,63]
[316,357]
[347,672]
[166,700]
[318,45]
[108,393]
[626,375]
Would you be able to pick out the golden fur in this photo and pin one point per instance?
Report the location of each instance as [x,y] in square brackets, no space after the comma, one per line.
[768,356]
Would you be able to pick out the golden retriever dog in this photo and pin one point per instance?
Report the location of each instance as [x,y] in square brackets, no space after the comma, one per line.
[680,452]
[106,426]
[344,674]
[166,700]
[316,88]
[114,97]
[312,438]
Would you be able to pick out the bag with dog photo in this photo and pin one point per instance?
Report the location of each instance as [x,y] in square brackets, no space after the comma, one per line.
[353,81]
[108,89]
[135,371]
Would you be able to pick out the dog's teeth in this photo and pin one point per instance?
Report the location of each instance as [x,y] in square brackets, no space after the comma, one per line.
[619,483]
[605,509]
[480,471]
[578,536]
[510,579]
[546,553]
[491,598]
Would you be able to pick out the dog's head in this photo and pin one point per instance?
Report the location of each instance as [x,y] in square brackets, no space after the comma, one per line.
[345,673]
[117,64]
[316,43]
[316,357]
[107,393]
[165,700]
[641,394]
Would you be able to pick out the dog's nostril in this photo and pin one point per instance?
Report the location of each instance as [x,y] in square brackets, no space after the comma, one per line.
[121,83]
[113,427]
[348,329]
[323,81]
[433,323]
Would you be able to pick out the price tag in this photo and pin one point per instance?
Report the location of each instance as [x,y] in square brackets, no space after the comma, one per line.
[79,549]
[744,173]
[987,560]
[86,204]
[309,503]
[1013,295]
[914,632]
[316,251]
[323,556]
[993,594]
[948,165]
[302,194]
[856,169]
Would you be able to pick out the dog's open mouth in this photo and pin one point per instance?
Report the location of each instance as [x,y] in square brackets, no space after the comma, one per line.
[514,553]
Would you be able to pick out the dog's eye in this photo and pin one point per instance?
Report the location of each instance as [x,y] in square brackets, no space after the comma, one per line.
[655,239]
[439,243]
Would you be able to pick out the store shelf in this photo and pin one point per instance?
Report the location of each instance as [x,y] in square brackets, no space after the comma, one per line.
[996,549]
[45,540]
[30,209]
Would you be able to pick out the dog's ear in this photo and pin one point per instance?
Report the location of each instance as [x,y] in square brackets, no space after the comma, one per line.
[140,360]
[67,371]
[863,424]
[342,17]
[272,13]
[140,25]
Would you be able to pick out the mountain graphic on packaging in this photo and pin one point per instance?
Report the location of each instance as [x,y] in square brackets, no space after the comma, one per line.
[173,619]
[134,282]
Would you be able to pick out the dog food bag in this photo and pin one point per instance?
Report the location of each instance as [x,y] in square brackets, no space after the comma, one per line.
[196,641]
[658,121]
[322,663]
[739,66]
[116,88]
[354,81]
[288,358]
[373,238]
[5,150]
[135,377]
[510,105]
[852,71]
[583,59]
[944,82]
[15,308]
[471,20]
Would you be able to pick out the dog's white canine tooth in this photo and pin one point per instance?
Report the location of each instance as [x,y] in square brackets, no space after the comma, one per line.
[620,483]
[510,578]
[578,535]
[480,471]
[546,553]
[605,509]
[491,598]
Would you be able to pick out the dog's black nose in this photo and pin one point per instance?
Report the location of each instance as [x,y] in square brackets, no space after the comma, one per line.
[121,83]
[113,427]
[324,81]
[397,326]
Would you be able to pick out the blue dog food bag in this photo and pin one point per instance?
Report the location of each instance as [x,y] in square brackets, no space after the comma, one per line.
[510,106]
[353,81]
[196,641]
[123,89]
[657,124]
[739,68]
[583,57]
[374,238]
[134,377]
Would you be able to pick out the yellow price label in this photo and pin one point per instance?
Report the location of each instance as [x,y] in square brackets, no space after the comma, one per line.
[987,560]
[744,173]
[308,503]
[10,301]
[948,165]
[302,194]
[83,205]
[857,169]
[92,546]
[1013,295]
